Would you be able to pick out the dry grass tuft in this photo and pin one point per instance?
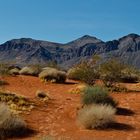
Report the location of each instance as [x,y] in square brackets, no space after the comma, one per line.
[53,75]
[33,71]
[11,125]
[96,116]
[14,71]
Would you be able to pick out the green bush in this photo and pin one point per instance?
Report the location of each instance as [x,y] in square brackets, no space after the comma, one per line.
[96,116]
[114,71]
[4,69]
[53,75]
[10,124]
[97,95]
[110,71]
[84,72]
[73,73]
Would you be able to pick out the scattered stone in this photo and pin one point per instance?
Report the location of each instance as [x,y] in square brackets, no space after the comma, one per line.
[42,94]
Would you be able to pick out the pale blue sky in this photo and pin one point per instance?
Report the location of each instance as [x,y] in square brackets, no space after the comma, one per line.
[65,20]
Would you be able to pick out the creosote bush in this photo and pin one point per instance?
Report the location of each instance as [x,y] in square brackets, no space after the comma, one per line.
[86,72]
[96,116]
[97,95]
[53,75]
[4,69]
[10,124]
[110,71]
[114,71]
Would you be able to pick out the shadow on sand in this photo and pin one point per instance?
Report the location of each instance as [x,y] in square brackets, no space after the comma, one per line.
[23,133]
[124,111]
[120,126]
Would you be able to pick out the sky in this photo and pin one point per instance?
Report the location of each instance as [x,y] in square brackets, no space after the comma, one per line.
[65,20]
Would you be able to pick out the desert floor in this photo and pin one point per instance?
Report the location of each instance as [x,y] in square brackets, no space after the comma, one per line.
[58,116]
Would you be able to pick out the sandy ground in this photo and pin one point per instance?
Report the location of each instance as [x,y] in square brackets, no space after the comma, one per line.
[58,116]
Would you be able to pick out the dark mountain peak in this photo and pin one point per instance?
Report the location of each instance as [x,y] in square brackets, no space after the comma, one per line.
[87,36]
[130,36]
[91,38]
[26,39]
[86,39]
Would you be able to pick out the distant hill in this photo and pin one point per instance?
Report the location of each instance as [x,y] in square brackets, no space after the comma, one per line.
[29,51]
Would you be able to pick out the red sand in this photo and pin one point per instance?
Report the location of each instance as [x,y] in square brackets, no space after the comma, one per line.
[58,116]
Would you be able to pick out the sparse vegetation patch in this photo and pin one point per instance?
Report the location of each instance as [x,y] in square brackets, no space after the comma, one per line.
[16,103]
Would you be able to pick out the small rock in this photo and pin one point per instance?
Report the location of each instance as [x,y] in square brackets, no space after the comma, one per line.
[42,94]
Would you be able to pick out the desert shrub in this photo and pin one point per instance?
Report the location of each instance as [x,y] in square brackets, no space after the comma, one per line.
[73,73]
[111,71]
[97,95]
[14,71]
[4,69]
[34,71]
[114,71]
[84,72]
[96,116]
[53,75]
[10,124]
[130,75]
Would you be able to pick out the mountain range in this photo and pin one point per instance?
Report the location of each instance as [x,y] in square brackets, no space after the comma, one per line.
[26,51]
